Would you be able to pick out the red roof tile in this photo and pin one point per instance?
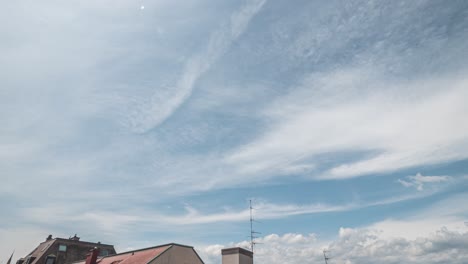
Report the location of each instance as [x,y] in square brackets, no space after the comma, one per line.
[133,257]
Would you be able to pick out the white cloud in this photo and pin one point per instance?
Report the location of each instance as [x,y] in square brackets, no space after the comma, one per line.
[433,235]
[266,210]
[263,211]
[345,116]
[150,113]
[137,220]
[286,248]
[448,213]
[354,246]
[419,180]
[366,246]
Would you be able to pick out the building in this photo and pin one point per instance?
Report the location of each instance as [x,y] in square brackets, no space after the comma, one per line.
[163,254]
[74,251]
[236,255]
[63,251]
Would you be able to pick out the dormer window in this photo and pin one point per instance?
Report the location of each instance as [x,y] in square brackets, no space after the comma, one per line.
[30,260]
[63,248]
[50,259]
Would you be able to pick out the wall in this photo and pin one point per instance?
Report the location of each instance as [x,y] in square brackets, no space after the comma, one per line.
[236,256]
[243,259]
[178,255]
[230,259]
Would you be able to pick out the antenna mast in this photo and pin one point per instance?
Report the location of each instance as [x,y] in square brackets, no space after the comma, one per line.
[252,232]
[327,258]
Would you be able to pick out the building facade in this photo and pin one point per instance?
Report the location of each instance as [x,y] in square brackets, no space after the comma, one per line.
[63,251]
[236,255]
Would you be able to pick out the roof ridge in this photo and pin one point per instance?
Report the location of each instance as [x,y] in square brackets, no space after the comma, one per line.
[80,241]
[157,256]
[142,249]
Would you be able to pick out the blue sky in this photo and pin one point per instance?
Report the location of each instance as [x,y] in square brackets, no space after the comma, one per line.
[146,122]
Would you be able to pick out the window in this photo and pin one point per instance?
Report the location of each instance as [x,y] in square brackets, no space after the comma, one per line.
[50,259]
[104,252]
[63,248]
[30,260]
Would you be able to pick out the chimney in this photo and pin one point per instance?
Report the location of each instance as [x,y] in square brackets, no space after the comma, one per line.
[49,238]
[236,255]
[91,257]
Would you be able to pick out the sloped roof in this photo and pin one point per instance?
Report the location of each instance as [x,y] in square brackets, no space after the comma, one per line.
[141,256]
[43,247]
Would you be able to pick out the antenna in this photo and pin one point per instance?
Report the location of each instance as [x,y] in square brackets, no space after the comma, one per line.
[252,232]
[327,258]
[9,260]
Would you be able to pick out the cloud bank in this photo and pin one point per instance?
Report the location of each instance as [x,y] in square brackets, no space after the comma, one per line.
[354,246]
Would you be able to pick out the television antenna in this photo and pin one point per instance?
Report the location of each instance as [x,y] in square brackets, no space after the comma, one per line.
[252,232]
[327,258]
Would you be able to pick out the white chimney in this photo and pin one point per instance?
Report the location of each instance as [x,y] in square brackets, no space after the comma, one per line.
[236,255]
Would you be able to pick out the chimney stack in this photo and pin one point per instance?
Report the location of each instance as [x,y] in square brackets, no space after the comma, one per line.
[236,255]
[91,257]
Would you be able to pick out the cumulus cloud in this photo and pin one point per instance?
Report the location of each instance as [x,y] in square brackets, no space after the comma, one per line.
[432,235]
[274,248]
[361,245]
[417,181]
[365,246]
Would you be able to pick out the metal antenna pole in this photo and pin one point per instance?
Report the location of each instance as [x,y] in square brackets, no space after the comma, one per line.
[252,242]
[325,256]
[252,231]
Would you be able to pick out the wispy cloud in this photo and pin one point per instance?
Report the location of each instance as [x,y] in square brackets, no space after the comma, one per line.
[398,132]
[419,180]
[263,211]
[164,102]
[134,220]
[266,210]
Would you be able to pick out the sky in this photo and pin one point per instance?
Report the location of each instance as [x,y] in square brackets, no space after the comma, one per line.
[138,123]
